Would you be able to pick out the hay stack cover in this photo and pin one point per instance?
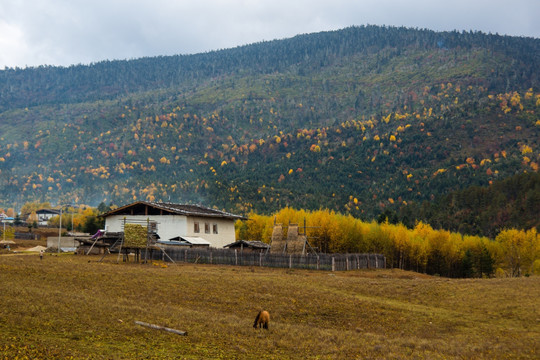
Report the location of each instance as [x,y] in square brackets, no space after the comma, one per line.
[295,242]
[135,236]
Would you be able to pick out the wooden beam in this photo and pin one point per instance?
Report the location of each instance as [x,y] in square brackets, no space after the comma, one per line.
[158,327]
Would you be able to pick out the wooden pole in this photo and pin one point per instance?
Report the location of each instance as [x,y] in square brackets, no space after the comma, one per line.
[121,242]
[158,327]
[164,253]
[91,247]
[147,241]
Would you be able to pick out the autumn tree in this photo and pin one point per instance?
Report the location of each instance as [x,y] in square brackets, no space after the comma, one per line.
[518,250]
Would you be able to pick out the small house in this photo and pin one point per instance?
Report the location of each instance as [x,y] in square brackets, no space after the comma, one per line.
[6,219]
[44,215]
[190,224]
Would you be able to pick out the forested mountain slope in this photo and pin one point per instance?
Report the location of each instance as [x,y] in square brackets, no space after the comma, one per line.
[359,120]
[374,46]
[510,203]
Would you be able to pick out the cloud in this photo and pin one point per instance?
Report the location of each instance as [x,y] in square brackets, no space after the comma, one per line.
[64,32]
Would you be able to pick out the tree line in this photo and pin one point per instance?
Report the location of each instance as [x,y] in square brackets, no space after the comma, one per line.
[422,249]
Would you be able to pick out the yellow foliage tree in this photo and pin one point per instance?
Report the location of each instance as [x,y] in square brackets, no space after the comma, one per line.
[519,250]
[421,249]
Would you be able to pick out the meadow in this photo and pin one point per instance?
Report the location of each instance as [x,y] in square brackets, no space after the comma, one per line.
[72,306]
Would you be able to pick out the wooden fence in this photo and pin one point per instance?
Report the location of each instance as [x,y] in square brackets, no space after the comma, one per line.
[27,236]
[331,262]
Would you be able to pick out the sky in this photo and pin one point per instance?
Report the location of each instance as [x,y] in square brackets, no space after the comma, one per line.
[67,32]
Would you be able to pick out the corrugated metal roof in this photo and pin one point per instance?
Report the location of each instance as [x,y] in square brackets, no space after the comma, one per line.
[193,240]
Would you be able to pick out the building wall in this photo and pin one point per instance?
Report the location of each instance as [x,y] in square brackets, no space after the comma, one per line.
[225,230]
[170,226]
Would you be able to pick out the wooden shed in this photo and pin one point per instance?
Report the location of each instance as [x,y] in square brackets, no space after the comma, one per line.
[251,246]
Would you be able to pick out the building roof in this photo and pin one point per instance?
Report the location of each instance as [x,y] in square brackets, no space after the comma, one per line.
[248,244]
[156,208]
[48,211]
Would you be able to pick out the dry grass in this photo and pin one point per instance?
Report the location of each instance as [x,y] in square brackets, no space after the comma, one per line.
[72,306]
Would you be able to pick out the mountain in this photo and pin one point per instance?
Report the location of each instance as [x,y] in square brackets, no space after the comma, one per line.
[361,120]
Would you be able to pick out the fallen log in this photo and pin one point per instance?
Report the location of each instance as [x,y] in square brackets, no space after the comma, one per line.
[158,327]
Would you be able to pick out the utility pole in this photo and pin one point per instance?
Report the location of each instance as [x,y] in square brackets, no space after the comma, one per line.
[60,229]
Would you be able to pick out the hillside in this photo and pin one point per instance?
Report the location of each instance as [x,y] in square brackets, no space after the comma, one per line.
[359,120]
[510,203]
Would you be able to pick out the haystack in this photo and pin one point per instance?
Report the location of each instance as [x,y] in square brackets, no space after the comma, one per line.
[278,243]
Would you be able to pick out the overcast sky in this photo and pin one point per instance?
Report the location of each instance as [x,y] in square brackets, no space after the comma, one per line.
[65,32]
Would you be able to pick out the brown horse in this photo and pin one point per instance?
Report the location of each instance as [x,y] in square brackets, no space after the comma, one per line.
[262,319]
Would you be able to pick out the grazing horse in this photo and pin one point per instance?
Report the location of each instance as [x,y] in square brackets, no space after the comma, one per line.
[263,318]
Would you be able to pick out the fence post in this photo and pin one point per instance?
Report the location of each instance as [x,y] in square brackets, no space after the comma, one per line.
[318,262]
[376,261]
[260,259]
[290,261]
[347,262]
[185,255]
[333,263]
[210,256]
[236,257]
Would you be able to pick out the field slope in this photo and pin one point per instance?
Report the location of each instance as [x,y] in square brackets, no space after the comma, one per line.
[70,306]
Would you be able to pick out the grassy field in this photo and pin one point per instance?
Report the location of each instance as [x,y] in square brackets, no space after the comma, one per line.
[71,306]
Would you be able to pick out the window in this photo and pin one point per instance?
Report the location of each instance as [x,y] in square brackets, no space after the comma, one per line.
[214,228]
[196,228]
[206,228]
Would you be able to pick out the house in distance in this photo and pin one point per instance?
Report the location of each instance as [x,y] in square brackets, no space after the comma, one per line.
[189,223]
[44,215]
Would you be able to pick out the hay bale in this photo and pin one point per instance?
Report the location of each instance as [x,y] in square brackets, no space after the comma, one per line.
[278,243]
[135,236]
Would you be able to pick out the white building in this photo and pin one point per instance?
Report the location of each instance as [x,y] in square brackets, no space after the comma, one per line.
[191,223]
